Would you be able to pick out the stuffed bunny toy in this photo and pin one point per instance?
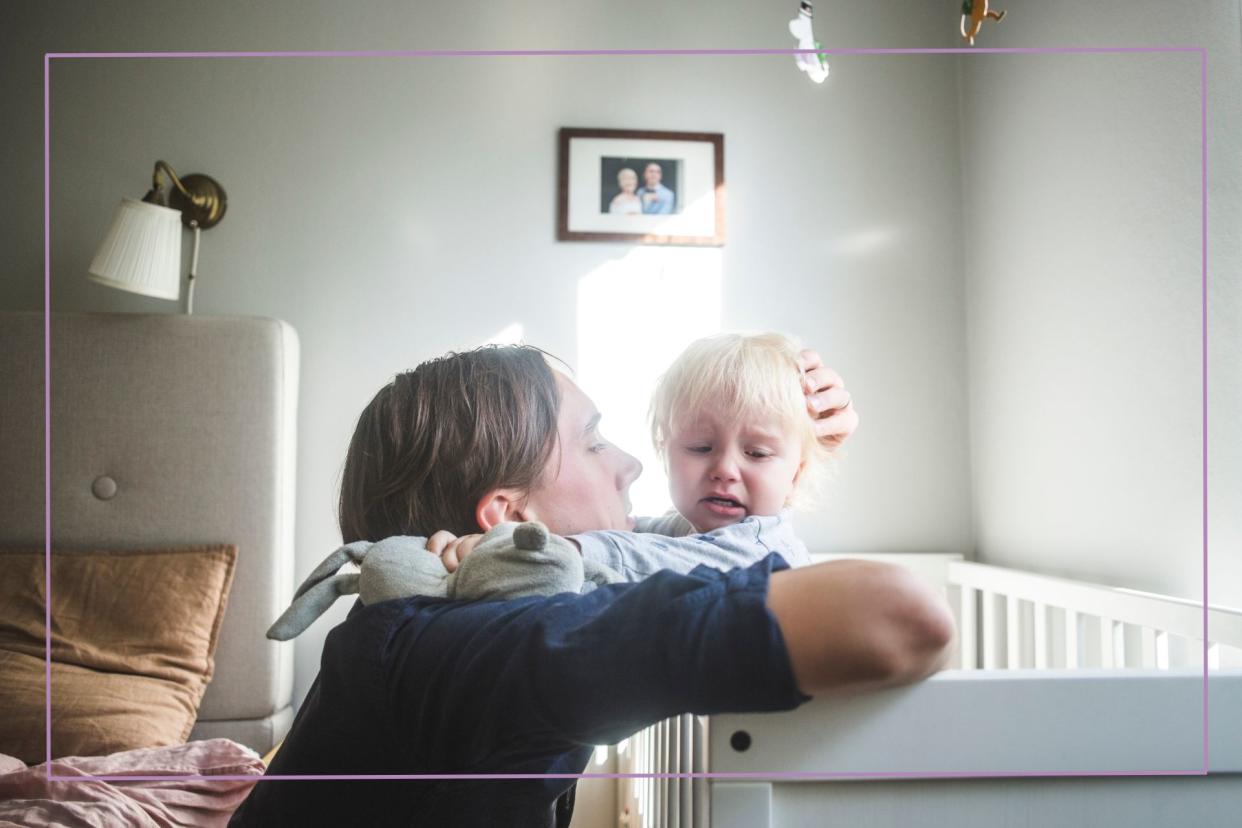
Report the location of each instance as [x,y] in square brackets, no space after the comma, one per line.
[513,560]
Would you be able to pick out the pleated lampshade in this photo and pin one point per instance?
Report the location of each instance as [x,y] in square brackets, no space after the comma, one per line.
[142,251]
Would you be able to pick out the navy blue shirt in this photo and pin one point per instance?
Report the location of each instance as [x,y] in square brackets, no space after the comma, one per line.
[428,686]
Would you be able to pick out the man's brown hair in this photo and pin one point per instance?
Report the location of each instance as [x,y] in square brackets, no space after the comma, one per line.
[438,438]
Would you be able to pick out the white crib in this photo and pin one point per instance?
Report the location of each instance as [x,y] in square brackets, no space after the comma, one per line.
[1052,677]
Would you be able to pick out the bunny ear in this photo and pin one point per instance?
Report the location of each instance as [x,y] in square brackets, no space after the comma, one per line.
[355,552]
[310,604]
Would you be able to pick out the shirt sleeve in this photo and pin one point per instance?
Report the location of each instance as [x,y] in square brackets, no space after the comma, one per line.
[778,533]
[636,556]
[552,673]
[670,524]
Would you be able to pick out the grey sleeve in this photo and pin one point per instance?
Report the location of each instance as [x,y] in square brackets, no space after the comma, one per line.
[671,524]
[778,534]
[635,556]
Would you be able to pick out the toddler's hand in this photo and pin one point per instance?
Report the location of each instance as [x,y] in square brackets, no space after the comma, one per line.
[437,542]
[451,549]
[456,551]
[827,401]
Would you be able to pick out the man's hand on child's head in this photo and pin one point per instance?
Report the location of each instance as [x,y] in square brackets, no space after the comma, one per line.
[827,401]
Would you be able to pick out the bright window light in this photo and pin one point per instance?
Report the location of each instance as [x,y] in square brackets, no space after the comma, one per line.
[635,314]
[511,335]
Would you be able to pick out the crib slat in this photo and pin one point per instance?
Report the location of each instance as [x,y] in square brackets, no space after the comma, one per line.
[1129,655]
[702,732]
[639,792]
[674,766]
[687,785]
[644,784]
[653,766]
[1013,637]
[1147,651]
[678,809]
[625,786]
[639,746]
[661,785]
[968,629]
[1071,639]
[991,641]
[1107,643]
[1041,636]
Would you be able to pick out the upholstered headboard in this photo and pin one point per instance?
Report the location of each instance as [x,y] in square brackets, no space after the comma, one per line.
[166,430]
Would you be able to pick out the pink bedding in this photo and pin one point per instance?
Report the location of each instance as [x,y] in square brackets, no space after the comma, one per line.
[29,798]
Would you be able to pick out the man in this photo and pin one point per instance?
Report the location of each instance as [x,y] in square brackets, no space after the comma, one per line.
[657,199]
[528,686]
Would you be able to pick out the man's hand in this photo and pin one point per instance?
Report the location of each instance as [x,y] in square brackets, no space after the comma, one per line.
[451,549]
[827,401]
[856,625]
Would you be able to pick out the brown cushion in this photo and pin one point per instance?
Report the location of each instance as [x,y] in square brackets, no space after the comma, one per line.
[133,638]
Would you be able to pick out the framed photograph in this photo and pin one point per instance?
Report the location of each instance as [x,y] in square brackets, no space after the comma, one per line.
[641,186]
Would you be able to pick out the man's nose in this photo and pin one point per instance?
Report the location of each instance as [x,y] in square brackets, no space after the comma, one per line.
[630,469]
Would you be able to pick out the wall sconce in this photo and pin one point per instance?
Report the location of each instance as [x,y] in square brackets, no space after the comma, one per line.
[142,251]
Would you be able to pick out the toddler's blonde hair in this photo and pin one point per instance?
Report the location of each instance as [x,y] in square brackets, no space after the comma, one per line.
[741,376]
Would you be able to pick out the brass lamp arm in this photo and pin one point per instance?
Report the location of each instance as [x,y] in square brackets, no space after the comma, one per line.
[155,178]
[200,198]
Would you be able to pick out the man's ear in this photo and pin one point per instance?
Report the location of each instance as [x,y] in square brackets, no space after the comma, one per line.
[499,506]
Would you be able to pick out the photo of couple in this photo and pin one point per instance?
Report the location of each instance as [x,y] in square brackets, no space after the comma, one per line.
[620,180]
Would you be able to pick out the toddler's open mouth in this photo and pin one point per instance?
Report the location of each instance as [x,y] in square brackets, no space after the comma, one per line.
[723,506]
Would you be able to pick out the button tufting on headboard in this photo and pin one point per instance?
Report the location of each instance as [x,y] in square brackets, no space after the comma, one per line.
[104,487]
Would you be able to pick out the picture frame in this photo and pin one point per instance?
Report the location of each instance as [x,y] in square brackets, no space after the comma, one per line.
[641,186]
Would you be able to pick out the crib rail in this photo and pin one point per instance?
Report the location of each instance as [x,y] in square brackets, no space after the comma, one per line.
[1010,619]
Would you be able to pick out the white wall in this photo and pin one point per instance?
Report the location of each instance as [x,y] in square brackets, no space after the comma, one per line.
[392,209]
[1083,239]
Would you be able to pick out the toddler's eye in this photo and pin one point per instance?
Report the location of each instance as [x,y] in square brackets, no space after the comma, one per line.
[698,449]
[759,455]
[598,448]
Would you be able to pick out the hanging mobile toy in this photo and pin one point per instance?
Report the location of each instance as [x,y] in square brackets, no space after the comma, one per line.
[976,11]
[816,65]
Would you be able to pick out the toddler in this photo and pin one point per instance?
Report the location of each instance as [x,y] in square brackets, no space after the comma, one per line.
[729,421]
